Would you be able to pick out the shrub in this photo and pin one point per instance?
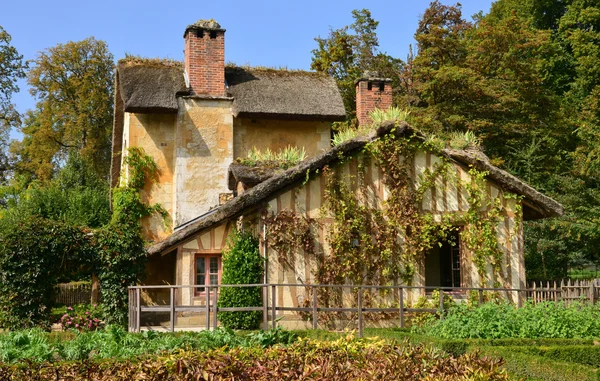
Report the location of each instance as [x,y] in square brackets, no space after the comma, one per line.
[344,359]
[33,255]
[242,264]
[503,320]
[82,318]
[285,158]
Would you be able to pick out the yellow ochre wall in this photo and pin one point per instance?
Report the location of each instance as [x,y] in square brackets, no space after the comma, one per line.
[278,134]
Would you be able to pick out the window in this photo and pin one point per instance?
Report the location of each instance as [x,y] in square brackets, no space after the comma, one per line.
[208,271]
[443,264]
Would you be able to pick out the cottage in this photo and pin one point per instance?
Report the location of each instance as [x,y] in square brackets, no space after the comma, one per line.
[419,214]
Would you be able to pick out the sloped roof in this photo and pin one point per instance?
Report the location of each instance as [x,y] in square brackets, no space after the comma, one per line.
[284,93]
[544,206]
[150,88]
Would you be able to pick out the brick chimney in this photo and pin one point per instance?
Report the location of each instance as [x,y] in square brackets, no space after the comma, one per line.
[205,57]
[372,92]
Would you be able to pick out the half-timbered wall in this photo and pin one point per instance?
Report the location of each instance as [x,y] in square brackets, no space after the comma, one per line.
[309,198]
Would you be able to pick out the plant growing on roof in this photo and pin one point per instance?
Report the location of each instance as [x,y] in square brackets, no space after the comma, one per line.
[284,158]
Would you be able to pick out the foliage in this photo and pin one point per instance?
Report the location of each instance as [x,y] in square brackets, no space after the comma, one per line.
[523,366]
[73,84]
[284,159]
[115,343]
[33,255]
[345,358]
[350,51]
[242,264]
[574,354]
[82,318]
[76,196]
[121,260]
[502,320]
[12,68]
[377,116]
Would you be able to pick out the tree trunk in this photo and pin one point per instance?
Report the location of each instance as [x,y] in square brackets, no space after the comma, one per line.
[95,289]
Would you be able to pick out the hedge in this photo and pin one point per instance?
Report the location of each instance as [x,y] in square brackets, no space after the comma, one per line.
[531,367]
[580,354]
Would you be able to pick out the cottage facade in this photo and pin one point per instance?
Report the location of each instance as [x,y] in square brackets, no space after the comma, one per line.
[195,119]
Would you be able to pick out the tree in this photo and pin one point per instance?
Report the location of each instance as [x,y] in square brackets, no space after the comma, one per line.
[73,84]
[12,68]
[350,51]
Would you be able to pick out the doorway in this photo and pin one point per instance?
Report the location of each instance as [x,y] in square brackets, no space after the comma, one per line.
[442,264]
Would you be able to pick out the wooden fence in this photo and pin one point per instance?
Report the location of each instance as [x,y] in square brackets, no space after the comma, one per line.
[73,293]
[272,306]
[567,291]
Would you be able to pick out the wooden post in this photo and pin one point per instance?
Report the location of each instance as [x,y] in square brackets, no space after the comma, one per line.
[215,308]
[480,292]
[265,295]
[441,304]
[172,318]
[592,296]
[274,306]
[138,307]
[520,298]
[95,289]
[207,301]
[314,308]
[360,313]
[401,307]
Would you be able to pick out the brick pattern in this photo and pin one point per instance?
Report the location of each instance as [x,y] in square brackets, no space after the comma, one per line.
[205,62]
[368,100]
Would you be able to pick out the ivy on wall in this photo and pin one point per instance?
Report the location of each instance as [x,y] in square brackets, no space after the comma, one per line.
[385,242]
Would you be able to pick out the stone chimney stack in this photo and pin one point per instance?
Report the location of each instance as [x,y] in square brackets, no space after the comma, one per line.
[205,58]
[372,92]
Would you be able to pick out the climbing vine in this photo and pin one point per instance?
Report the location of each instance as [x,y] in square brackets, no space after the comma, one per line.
[384,242]
[121,256]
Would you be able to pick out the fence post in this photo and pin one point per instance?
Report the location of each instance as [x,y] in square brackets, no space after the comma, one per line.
[480,296]
[207,306]
[401,307]
[591,292]
[265,294]
[360,312]
[172,309]
[274,306]
[215,308]
[138,307]
[441,304]
[314,308]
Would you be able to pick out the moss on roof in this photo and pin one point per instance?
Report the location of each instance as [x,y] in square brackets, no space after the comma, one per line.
[281,71]
[133,60]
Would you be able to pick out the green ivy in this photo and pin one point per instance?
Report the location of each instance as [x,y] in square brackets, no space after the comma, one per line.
[242,264]
[33,256]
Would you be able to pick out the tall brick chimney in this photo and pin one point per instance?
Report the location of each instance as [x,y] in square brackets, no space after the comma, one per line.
[205,57]
[372,92]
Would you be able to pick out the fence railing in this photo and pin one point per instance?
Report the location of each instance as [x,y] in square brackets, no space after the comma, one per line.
[73,293]
[272,305]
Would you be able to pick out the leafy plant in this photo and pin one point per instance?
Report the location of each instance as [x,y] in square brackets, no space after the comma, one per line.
[242,264]
[82,318]
[285,158]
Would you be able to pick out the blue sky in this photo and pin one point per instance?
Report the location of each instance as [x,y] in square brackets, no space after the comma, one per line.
[268,33]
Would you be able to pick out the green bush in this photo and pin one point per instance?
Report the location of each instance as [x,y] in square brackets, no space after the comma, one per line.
[114,342]
[344,359]
[522,365]
[34,254]
[579,354]
[242,264]
[502,320]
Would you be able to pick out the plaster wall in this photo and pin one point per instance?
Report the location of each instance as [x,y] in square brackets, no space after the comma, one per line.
[155,133]
[278,134]
[204,150]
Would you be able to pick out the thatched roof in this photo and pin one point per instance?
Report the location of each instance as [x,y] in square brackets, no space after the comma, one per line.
[293,94]
[538,205]
[150,87]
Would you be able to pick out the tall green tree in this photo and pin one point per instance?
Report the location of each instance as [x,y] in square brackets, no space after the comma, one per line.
[73,85]
[12,67]
[350,51]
